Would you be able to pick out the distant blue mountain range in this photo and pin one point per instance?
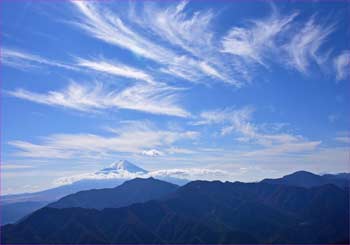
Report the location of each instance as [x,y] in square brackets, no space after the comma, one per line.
[216,212]
[132,191]
[199,212]
[307,179]
[17,206]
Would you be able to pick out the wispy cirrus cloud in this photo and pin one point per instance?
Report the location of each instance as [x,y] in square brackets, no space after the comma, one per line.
[343,137]
[280,39]
[285,147]
[135,138]
[342,65]
[109,27]
[116,69]
[240,123]
[23,60]
[181,29]
[178,27]
[169,37]
[257,41]
[6,166]
[236,119]
[177,150]
[155,99]
[304,48]
[192,70]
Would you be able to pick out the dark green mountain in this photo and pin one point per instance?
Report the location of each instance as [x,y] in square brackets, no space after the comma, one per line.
[307,179]
[132,191]
[200,212]
[12,212]
[17,206]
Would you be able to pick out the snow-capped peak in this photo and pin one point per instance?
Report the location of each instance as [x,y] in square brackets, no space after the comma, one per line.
[124,165]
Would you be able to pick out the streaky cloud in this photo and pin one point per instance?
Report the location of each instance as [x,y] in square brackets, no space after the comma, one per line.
[23,60]
[110,28]
[342,65]
[239,122]
[116,69]
[304,47]
[189,32]
[135,138]
[256,42]
[154,99]
[182,29]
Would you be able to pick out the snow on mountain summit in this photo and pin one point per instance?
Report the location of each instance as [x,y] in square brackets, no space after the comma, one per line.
[123,165]
[125,170]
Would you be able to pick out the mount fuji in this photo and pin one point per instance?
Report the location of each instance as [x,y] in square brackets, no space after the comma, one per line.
[17,206]
[97,180]
[123,166]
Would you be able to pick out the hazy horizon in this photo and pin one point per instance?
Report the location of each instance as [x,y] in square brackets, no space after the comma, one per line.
[157,174]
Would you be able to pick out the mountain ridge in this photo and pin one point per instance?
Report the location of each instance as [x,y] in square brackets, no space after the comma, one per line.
[308,179]
[131,191]
[200,212]
[19,205]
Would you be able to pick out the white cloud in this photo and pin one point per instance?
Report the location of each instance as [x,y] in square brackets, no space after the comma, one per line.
[253,43]
[343,139]
[235,119]
[304,47]
[192,70]
[15,166]
[342,65]
[104,25]
[157,32]
[177,150]
[211,71]
[180,173]
[110,28]
[155,99]
[152,153]
[181,28]
[193,174]
[122,175]
[115,69]
[239,122]
[279,39]
[284,147]
[130,138]
[22,60]
[28,149]
[190,32]
[158,99]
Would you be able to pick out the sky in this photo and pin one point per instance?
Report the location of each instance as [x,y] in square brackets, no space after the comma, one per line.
[228,90]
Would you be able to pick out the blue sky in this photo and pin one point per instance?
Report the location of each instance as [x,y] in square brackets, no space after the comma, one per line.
[226,90]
